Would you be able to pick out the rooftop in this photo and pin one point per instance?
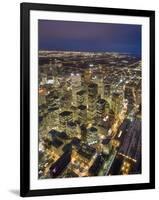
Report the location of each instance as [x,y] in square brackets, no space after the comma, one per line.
[57,143]
[82,107]
[65,113]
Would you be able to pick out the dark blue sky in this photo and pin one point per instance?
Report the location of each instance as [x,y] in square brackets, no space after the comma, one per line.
[89,36]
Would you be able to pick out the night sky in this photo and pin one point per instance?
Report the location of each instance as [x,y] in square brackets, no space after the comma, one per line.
[89,36]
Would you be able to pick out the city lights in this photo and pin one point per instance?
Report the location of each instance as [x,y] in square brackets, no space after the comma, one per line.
[89,114]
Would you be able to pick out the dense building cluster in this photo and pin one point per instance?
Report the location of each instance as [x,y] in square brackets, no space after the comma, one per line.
[89,114]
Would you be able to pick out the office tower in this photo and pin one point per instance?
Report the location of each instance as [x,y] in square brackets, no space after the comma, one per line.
[120,87]
[56,101]
[92,100]
[101,108]
[82,114]
[53,117]
[82,158]
[66,100]
[55,73]
[53,102]
[64,118]
[107,90]
[83,133]
[81,97]
[117,102]
[129,94]
[107,107]
[71,129]
[87,75]
[111,118]
[76,86]
[100,82]
[92,136]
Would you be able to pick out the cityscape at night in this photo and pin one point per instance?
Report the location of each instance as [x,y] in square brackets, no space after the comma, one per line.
[89,101]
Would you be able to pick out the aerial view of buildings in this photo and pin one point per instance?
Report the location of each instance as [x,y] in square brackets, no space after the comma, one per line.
[89,107]
[89,114]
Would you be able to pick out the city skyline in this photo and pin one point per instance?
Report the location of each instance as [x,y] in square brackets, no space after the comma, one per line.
[89,37]
[89,99]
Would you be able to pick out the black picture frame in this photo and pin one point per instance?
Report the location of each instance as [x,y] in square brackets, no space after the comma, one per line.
[25,9]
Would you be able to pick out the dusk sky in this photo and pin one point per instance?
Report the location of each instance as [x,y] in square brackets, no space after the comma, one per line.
[89,36]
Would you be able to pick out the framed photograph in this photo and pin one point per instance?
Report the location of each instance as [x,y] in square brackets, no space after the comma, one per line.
[87,99]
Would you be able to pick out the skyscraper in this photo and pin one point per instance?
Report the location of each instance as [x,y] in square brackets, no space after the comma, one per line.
[100,82]
[71,129]
[82,113]
[81,97]
[129,93]
[64,118]
[117,101]
[76,86]
[92,100]
[92,136]
[101,108]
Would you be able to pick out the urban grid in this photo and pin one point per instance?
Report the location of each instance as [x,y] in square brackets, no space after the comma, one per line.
[89,108]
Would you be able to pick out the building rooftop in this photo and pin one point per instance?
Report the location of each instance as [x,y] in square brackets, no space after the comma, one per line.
[52,109]
[86,151]
[82,107]
[55,133]
[65,113]
[57,143]
[71,124]
[93,129]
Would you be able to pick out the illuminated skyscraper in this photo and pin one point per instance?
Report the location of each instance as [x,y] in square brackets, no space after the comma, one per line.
[129,94]
[100,108]
[53,100]
[83,133]
[76,86]
[107,91]
[92,136]
[98,79]
[81,97]
[87,75]
[66,100]
[53,104]
[71,129]
[55,72]
[107,107]
[117,101]
[82,113]
[64,118]
[53,116]
[92,100]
